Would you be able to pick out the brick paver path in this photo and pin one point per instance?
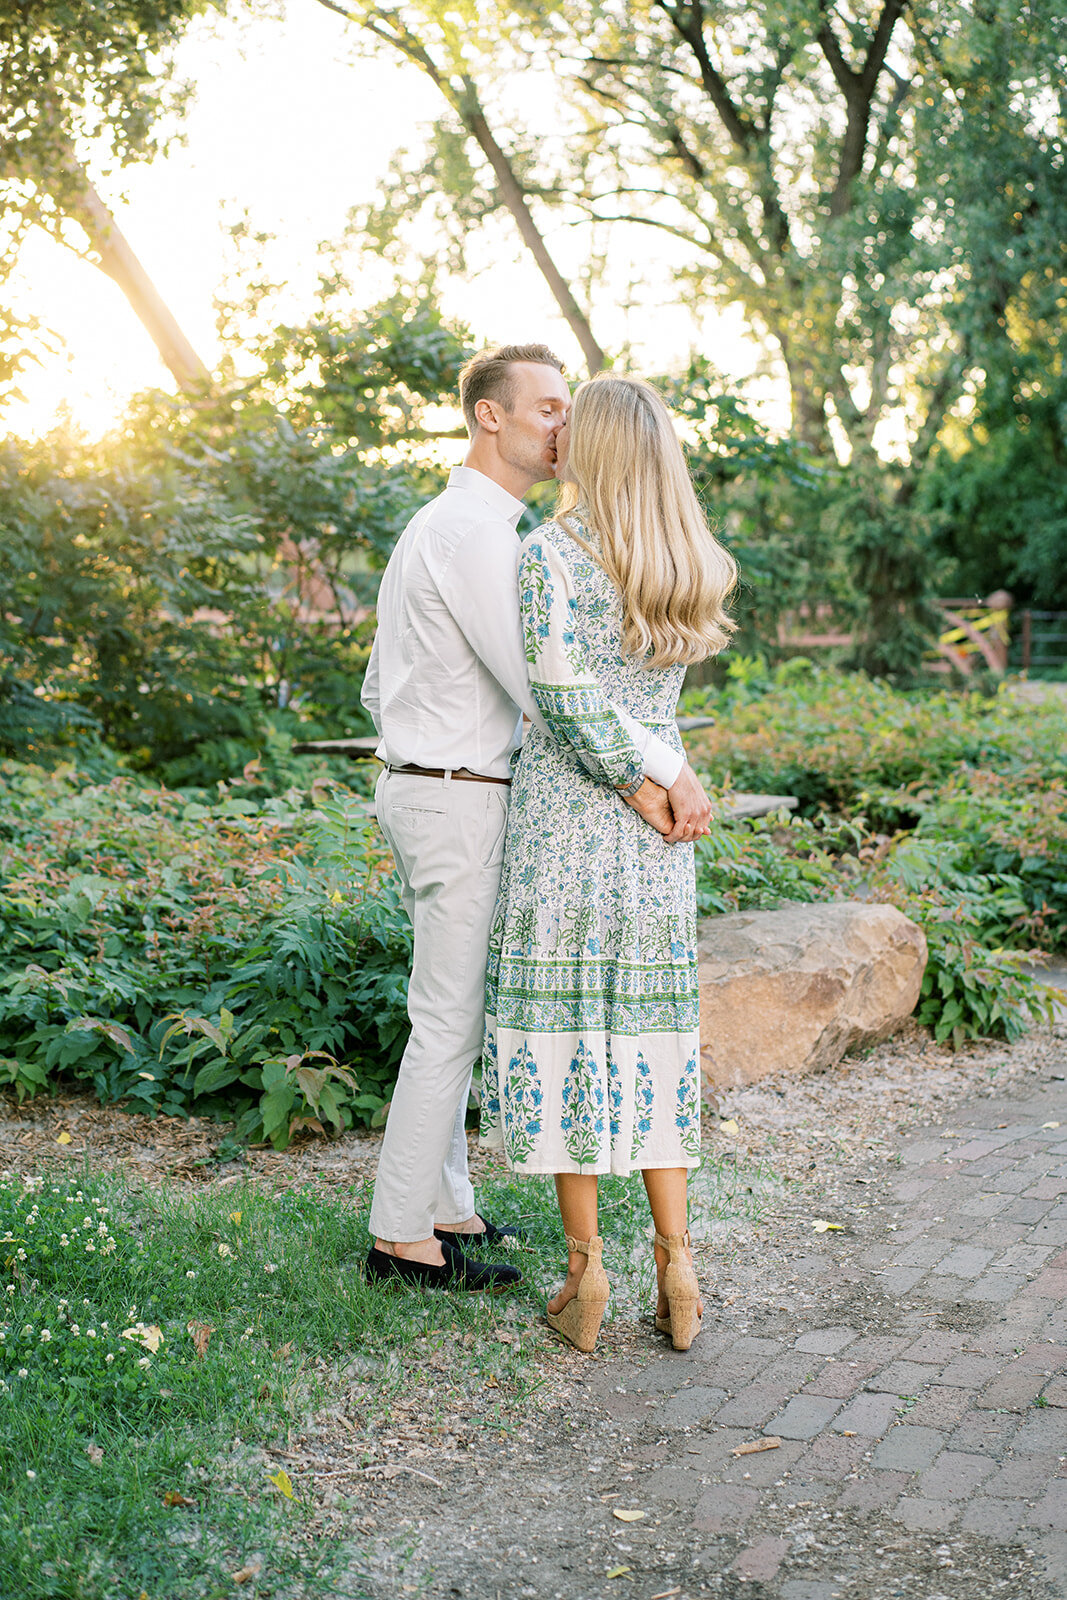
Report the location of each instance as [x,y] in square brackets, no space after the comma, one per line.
[936,1397]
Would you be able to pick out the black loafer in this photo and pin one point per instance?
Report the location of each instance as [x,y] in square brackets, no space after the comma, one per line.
[458,1272]
[491,1235]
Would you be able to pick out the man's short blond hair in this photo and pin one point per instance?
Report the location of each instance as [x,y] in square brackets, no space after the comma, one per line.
[488,376]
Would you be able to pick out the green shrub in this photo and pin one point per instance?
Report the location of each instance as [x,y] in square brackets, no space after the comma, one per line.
[238,958]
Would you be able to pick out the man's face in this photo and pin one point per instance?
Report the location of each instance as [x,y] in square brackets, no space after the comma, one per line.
[527,436]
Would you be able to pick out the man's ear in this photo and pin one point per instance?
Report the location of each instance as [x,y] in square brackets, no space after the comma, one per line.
[485,412]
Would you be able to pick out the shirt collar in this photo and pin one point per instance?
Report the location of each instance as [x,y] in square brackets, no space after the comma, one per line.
[493,494]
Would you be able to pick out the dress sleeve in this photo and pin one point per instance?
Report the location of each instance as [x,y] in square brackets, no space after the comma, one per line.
[567,694]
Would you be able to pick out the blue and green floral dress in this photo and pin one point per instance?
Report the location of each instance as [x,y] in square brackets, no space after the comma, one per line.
[592,1001]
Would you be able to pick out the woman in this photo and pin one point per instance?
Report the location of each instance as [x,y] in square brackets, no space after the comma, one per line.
[592,1028]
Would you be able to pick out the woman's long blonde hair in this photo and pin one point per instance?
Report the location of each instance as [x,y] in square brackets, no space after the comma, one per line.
[627,474]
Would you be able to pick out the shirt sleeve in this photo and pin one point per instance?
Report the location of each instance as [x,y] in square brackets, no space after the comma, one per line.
[480,590]
[567,693]
[371,693]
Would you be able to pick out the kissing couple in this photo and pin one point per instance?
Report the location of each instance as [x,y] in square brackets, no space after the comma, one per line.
[550,879]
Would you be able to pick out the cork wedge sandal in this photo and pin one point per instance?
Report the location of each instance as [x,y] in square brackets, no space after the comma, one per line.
[680,1285]
[579,1321]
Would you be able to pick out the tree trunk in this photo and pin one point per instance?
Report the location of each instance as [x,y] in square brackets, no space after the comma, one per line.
[122,266]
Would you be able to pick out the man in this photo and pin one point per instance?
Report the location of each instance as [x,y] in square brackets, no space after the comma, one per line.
[446,687]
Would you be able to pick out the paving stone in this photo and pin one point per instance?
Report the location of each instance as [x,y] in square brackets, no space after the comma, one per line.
[1054,1231]
[1045,1355]
[994,1287]
[832,1456]
[761,1560]
[1009,1181]
[804,1416]
[954,1476]
[1055,1392]
[934,1516]
[836,1380]
[970,1372]
[793,1368]
[994,1519]
[1044,1189]
[876,1493]
[1023,1478]
[923,1253]
[899,1280]
[825,1341]
[1041,1433]
[966,1261]
[869,1414]
[1025,1211]
[984,1433]
[879,1348]
[1051,1509]
[672,1483]
[692,1406]
[988,1205]
[751,1406]
[764,1468]
[912,1188]
[1012,1390]
[936,1348]
[939,1407]
[725,1508]
[902,1377]
[909,1449]
[1050,1285]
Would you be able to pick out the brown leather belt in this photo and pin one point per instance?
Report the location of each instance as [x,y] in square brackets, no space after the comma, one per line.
[457,772]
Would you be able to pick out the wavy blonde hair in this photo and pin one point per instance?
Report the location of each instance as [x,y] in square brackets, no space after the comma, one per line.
[626,477]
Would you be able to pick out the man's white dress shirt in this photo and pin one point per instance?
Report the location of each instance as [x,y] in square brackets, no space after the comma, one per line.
[446,684]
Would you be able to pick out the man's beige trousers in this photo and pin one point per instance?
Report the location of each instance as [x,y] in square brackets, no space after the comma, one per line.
[447,836]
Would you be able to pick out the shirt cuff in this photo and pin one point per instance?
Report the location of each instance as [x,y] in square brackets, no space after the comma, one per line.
[662,764]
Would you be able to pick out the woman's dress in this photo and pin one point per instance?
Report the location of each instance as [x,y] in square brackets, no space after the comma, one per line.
[592,1000]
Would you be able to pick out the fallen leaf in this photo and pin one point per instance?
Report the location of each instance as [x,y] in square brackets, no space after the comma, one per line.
[491,1382]
[1050,1124]
[821,1226]
[284,1351]
[151,1337]
[95,1454]
[281,1480]
[617,1572]
[849,1433]
[200,1333]
[247,1573]
[754,1446]
[730,1127]
[235,1216]
[63,1138]
[173,1498]
[627,1516]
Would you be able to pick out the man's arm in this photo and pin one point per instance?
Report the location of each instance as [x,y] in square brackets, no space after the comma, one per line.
[371,692]
[480,588]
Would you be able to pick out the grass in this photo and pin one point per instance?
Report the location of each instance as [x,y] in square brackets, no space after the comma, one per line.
[155,1344]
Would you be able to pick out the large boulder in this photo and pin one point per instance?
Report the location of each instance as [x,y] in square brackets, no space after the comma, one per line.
[792,990]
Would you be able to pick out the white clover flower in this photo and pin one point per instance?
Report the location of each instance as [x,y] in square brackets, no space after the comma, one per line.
[103,1327]
[87,1222]
[46,1337]
[269,1267]
[64,1240]
[224,1250]
[11,1288]
[63,1304]
[102,1230]
[75,1330]
[190,1274]
[90,1333]
[21,1254]
[145,1361]
[90,1248]
[85,1302]
[108,1359]
[23,1373]
[30,1474]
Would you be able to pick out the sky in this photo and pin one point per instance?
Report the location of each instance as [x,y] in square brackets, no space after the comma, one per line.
[290,128]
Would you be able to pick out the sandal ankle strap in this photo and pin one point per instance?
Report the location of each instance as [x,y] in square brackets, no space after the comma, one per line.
[673,1241]
[582,1246]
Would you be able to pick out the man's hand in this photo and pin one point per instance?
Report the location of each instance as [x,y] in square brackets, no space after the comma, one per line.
[690,808]
[651,803]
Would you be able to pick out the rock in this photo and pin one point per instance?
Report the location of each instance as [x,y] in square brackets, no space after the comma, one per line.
[792,990]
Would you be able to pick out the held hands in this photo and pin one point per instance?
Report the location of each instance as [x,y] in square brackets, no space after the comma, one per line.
[681,813]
